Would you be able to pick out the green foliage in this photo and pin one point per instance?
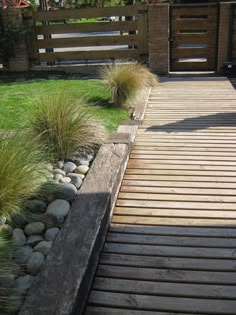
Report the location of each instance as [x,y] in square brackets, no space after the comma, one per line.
[9,296]
[64,125]
[22,171]
[19,98]
[125,81]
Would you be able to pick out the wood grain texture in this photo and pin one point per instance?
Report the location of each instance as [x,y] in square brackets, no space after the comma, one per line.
[171,246]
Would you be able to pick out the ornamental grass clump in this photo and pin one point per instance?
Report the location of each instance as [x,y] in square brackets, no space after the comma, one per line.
[23,169]
[125,81]
[9,295]
[63,124]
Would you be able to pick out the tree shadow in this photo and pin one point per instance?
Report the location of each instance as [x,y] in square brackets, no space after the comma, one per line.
[200,122]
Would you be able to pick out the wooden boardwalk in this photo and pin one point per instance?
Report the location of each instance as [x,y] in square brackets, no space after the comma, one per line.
[171,247]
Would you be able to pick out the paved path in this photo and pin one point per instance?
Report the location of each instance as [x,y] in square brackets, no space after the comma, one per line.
[171,247]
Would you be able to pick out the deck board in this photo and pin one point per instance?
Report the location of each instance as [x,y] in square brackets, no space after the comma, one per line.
[171,245]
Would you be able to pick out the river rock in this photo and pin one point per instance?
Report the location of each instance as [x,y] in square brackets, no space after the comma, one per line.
[51,234]
[83,162]
[59,171]
[24,255]
[58,177]
[35,262]
[43,247]
[34,228]
[33,240]
[65,180]
[60,164]
[69,167]
[67,192]
[18,237]
[58,207]
[24,282]
[19,220]
[75,179]
[37,206]
[82,169]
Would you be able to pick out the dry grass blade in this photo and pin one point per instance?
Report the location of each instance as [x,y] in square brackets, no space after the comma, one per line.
[125,81]
[9,295]
[23,169]
[64,125]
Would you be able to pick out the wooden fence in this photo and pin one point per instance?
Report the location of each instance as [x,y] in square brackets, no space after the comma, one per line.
[232,49]
[61,35]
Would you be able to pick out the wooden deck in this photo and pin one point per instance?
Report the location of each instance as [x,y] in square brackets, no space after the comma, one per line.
[171,247]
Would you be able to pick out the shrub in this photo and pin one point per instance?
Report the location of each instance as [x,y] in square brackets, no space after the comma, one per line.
[64,125]
[125,81]
[22,171]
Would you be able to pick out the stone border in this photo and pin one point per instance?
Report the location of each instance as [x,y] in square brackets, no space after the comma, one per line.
[63,284]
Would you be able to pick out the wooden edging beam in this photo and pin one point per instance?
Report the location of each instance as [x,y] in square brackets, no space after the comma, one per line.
[63,284]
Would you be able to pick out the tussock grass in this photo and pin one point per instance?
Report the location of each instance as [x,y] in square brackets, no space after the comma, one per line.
[9,296]
[125,81]
[22,171]
[64,125]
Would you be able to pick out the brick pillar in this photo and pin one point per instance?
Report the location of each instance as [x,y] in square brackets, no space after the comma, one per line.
[224,35]
[20,61]
[158,29]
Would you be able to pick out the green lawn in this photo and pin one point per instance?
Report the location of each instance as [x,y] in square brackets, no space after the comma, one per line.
[19,97]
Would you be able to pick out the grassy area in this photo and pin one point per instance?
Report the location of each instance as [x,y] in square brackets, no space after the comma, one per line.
[18,97]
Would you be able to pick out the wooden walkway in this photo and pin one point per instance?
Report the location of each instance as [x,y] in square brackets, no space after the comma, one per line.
[171,247]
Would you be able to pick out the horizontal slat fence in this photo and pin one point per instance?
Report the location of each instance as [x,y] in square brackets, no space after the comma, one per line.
[60,39]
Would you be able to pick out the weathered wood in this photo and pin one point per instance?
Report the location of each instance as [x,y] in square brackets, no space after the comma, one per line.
[131,10]
[65,279]
[97,310]
[162,288]
[171,244]
[161,303]
[178,276]
[173,263]
[127,238]
[89,55]
[88,41]
[173,251]
[87,27]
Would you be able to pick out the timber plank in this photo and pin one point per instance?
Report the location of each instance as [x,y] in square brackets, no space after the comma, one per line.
[173,251]
[174,263]
[161,303]
[175,213]
[178,276]
[145,220]
[97,310]
[165,289]
[167,184]
[171,243]
[172,190]
[115,237]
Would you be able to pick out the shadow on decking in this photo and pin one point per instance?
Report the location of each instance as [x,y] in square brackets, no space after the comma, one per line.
[200,122]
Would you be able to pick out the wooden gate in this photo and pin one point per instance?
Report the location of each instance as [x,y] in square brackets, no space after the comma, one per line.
[193,37]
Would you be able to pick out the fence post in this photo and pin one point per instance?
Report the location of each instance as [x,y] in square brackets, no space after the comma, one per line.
[31,37]
[143,34]
[158,29]
[224,36]
[20,61]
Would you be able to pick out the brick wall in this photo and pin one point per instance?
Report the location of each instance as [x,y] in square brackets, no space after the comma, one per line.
[158,26]
[224,35]
[20,62]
